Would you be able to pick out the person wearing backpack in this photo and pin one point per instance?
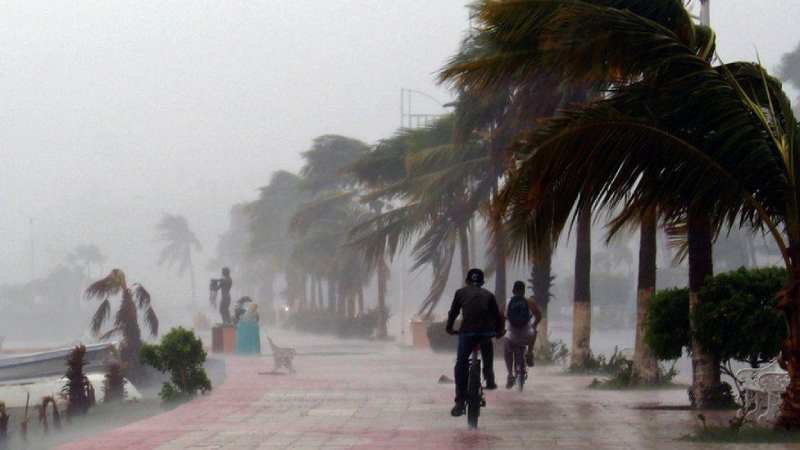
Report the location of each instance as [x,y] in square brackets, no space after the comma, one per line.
[523,316]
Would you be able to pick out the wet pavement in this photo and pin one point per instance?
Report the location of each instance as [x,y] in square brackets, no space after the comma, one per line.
[380,396]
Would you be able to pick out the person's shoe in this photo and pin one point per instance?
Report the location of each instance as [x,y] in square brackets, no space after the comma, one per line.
[529,359]
[458,409]
[510,382]
[491,385]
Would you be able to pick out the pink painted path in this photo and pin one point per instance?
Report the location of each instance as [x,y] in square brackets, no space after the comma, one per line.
[388,398]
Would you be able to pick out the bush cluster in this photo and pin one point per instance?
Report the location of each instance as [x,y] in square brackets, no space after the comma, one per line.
[180,354]
[324,322]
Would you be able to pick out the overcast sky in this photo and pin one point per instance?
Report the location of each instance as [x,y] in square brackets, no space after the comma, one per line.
[113,112]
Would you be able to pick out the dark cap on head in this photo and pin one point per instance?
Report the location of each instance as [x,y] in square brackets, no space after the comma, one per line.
[475,277]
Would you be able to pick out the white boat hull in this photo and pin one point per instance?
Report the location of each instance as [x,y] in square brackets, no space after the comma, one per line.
[51,363]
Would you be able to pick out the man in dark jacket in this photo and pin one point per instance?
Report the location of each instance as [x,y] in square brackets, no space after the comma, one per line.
[481,321]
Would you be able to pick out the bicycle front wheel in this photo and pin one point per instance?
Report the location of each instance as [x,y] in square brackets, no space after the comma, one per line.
[474,396]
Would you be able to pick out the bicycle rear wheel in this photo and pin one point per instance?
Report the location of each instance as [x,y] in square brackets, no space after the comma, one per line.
[519,362]
[474,395]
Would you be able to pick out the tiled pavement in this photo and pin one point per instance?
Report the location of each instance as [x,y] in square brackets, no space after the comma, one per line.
[389,398]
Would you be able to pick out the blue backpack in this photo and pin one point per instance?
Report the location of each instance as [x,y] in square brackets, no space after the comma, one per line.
[519,314]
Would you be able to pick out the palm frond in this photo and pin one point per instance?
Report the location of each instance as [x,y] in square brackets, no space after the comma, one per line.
[151,320]
[100,316]
[108,334]
[112,284]
[141,296]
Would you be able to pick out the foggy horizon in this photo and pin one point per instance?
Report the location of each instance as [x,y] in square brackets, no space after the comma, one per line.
[116,113]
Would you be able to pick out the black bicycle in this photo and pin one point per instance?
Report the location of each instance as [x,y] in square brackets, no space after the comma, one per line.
[518,366]
[475,398]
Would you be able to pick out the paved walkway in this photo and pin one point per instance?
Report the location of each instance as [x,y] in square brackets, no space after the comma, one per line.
[389,398]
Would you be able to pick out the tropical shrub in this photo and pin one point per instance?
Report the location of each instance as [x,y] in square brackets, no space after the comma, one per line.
[364,326]
[49,400]
[113,383]
[181,354]
[736,318]
[78,390]
[667,326]
[551,353]
[439,339]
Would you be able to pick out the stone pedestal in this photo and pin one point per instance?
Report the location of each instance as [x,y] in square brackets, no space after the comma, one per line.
[419,333]
[223,339]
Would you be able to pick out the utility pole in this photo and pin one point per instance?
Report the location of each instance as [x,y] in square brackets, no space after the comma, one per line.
[33,253]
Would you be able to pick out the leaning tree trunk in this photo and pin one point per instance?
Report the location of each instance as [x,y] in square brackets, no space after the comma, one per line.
[500,262]
[463,250]
[788,303]
[645,364]
[320,295]
[332,303]
[360,302]
[192,282]
[313,297]
[706,383]
[383,274]
[541,279]
[582,300]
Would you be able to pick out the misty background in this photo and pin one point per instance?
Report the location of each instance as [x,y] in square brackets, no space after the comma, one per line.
[114,113]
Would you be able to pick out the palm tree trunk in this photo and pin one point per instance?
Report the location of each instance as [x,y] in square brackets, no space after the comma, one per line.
[645,364]
[332,295]
[383,275]
[541,281]
[311,282]
[473,242]
[194,285]
[463,249]
[789,416]
[351,305]
[705,366]
[582,300]
[500,251]
[341,303]
[320,295]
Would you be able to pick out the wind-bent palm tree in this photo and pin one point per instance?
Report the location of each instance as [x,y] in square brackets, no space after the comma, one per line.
[133,300]
[514,44]
[724,155]
[179,243]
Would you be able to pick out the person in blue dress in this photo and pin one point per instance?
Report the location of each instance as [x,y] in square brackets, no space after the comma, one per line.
[248,339]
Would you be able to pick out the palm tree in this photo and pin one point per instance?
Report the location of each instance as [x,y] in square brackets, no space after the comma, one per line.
[725,156]
[789,69]
[515,42]
[179,242]
[133,300]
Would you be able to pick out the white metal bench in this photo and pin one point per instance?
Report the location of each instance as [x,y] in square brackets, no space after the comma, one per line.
[762,389]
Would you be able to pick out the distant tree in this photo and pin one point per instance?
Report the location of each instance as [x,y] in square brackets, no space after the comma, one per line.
[179,242]
[133,300]
[789,69]
[87,256]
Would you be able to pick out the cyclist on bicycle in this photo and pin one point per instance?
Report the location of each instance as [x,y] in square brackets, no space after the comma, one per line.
[521,332]
[481,321]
